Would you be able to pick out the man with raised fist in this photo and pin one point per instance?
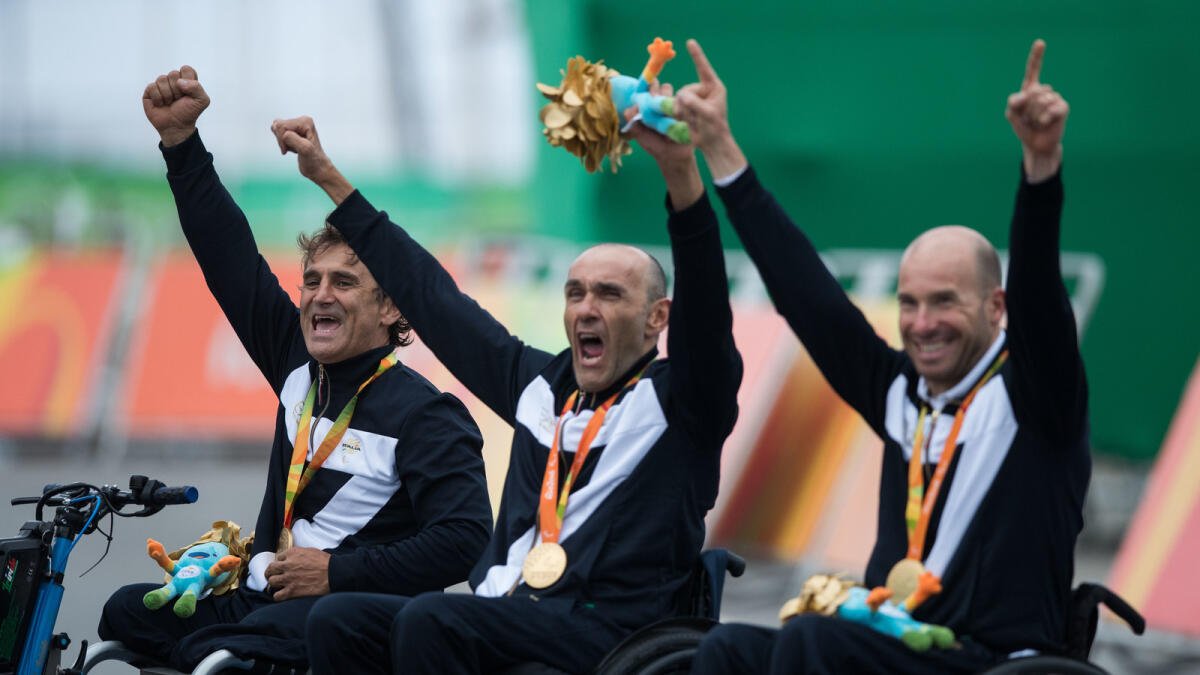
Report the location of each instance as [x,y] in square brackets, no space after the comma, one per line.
[375,480]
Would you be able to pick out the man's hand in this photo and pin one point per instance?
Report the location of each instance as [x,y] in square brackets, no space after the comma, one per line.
[662,149]
[704,106]
[676,161]
[299,572]
[299,135]
[1038,116]
[173,103]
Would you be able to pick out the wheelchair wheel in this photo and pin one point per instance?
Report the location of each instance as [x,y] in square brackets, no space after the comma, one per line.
[1046,665]
[665,647]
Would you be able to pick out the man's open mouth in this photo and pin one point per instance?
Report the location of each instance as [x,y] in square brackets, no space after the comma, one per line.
[325,324]
[591,347]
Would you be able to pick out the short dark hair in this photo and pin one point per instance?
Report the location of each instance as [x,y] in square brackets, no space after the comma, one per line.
[312,245]
[988,261]
[656,284]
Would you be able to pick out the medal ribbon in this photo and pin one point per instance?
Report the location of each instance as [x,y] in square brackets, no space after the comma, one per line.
[918,511]
[299,473]
[553,507]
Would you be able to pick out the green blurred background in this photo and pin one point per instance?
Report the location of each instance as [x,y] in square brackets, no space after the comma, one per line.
[870,121]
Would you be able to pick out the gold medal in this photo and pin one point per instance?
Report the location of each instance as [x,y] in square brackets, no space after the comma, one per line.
[902,580]
[544,565]
[285,540]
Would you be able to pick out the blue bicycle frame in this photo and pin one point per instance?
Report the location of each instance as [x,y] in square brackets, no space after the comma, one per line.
[45,611]
[50,593]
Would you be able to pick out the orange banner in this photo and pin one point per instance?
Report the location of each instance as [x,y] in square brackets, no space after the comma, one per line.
[55,323]
[800,474]
[1161,551]
[189,375]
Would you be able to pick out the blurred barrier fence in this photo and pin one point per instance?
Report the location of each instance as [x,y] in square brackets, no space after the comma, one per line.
[108,349]
[57,322]
[1161,551]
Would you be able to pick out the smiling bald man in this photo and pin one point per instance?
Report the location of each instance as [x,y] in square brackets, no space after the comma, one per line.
[985,457]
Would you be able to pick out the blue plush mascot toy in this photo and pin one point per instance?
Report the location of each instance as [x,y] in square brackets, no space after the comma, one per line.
[594,105]
[197,571]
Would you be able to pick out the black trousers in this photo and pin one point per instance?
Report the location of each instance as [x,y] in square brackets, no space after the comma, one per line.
[248,623]
[821,645]
[454,633]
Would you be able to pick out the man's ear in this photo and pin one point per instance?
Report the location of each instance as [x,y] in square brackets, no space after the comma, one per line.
[658,317]
[388,312]
[996,306]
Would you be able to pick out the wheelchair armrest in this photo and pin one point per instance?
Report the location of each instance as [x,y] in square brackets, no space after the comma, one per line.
[734,564]
[715,564]
[1084,614]
[113,650]
[718,562]
[1117,604]
[222,661]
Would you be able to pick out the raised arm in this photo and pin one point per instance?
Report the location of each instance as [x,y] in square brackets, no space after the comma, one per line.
[480,352]
[706,368]
[261,313]
[1049,377]
[855,360]
[1038,116]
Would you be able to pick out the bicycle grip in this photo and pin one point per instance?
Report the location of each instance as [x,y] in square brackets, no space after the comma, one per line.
[184,494]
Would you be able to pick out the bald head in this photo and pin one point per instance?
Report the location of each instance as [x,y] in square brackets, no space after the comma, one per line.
[954,245]
[616,308]
[644,265]
[951,303]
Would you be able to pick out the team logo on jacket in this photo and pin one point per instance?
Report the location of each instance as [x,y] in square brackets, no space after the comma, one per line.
[298,411]
[351,446]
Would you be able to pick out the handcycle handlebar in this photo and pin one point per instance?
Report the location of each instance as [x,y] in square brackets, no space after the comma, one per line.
[150,494]
[184,494]
[79,510]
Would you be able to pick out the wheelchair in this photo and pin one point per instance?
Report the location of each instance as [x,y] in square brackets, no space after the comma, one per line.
[1082,619]
[661,648]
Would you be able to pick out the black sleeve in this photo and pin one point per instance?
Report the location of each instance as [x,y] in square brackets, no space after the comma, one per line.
[858,364]
[476,348]
[706,368]
[1049,386]
[439,459]
[261,313]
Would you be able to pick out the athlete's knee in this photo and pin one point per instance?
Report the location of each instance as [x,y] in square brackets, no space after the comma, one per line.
[424,616]
[331,618]
[808,629]
[730,648]
[804,638]
[718,640]
[123,609]
[127,600]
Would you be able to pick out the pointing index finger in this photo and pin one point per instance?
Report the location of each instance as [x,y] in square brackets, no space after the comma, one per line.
[1033,65]
[704,69]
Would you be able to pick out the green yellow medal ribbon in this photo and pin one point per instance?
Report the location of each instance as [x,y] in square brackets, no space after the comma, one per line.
[301,473]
